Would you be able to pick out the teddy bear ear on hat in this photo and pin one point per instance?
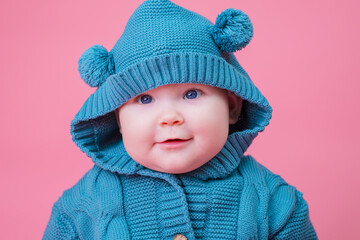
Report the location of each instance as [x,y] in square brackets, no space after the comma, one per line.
[232,31]
[96,64]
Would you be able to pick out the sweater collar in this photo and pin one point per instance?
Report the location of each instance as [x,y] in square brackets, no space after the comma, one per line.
[218,167]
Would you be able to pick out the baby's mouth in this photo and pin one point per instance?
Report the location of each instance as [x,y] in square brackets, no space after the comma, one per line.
[175,140]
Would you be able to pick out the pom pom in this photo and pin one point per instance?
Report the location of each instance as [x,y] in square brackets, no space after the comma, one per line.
[96,64]
[232,31]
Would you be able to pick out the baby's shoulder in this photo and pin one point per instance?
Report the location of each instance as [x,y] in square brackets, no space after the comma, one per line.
[255,173]
[285,204]
[96,188]
[92,207]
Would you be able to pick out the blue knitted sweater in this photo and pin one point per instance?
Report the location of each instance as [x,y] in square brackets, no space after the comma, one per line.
[237,199]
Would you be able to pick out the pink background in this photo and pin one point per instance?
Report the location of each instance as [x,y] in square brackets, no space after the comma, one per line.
[304,57]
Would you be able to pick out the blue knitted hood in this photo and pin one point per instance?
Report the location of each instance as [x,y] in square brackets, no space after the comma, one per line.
[164,43]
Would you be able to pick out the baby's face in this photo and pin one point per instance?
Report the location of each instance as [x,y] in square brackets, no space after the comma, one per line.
[175,128]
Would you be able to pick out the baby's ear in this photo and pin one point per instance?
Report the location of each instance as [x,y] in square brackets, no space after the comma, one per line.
[235,104]
[116,112]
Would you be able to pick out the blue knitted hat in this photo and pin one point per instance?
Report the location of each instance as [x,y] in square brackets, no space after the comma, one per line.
[164,43]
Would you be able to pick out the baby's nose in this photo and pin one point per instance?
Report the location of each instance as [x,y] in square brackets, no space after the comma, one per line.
[171,118]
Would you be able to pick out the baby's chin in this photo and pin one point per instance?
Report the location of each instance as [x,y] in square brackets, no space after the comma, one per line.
[176,167]
[175,171]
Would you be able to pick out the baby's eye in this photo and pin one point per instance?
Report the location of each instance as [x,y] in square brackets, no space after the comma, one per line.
[145,99]
[192,94]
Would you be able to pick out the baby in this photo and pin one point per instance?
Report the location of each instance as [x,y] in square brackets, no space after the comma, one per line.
[167,129]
